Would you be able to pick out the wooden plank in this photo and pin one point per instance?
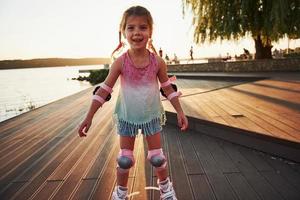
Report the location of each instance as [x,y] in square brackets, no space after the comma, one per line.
[196,106]
[103,156]
[7,194]
[28,148]
[35,185]
[201,187]
[15,175]
[218,101]
[224,162]
[37,130]
[24,119]
[65,172]
[189,156]
[219,183]
[248,97]
[257,182]
[80,168]
[255,158]
[286,170]
[180,180]
[32,154]
[149,171]
[283,187]
[281,84]
[140,175]
[84,190]
[105,184]
[50,111]
[87,184]
[225,112]
[270,125]
[278,94]
[291,121]
[73,158]
[46,190]
[42,173]
[241,186]
[154,194]
[269,116]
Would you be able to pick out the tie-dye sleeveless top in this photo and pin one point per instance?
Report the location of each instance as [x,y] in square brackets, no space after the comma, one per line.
[138,105]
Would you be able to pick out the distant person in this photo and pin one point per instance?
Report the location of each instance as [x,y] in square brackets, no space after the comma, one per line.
[191,53]
[167,58]
[160,52]
[175,59]
[139,107]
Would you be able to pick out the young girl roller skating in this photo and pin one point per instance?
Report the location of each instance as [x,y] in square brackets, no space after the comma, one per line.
[138,107]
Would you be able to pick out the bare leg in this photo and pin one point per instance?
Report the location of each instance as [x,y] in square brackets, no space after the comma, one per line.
[125,143]
[154,142]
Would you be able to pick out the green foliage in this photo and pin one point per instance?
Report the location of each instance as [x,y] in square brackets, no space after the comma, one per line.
[97,76]
[232,19]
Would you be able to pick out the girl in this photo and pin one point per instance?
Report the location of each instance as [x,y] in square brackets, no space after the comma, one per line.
[138,106]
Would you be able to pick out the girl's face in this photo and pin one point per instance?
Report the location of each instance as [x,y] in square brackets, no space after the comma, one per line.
[137,32]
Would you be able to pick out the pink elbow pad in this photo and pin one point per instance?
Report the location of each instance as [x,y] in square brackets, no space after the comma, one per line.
[106,88]
[164,84]
[173,94]
[99,99]
[168,82]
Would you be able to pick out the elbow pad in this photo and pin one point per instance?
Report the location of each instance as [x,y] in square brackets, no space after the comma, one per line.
[163,93]
[168,83]
[99,98]
[108,96]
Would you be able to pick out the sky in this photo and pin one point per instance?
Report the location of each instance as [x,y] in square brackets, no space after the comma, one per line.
[89,28]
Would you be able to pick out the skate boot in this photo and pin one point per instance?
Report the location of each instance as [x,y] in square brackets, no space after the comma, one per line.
[166,190]
[120,193]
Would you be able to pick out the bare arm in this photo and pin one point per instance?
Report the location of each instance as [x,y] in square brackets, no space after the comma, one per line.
[110,81]
[163,77]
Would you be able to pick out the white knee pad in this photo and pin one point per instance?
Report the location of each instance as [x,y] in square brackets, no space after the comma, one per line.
[157,159]
[125,160]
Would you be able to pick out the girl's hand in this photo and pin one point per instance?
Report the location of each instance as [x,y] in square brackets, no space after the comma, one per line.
[84,127]
[182,121]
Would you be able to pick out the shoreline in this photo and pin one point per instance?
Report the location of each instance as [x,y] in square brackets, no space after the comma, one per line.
[52,62]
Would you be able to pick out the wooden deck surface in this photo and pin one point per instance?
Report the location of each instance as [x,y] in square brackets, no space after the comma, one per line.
[41,156]
[269,107]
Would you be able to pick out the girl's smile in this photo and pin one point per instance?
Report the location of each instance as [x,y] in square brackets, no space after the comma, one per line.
[137,32]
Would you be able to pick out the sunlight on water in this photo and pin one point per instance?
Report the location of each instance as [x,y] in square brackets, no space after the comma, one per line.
[25,89]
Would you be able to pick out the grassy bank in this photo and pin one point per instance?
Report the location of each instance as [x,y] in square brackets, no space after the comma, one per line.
[51,62]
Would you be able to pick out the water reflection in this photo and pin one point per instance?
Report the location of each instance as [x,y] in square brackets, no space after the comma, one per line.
[25,89]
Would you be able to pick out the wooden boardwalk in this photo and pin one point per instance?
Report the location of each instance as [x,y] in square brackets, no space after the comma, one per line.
[41,156]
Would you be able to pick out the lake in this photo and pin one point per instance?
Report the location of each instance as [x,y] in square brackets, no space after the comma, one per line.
[25,89]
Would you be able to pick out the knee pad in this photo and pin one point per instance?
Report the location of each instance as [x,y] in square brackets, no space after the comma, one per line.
[125,160]
[157,159]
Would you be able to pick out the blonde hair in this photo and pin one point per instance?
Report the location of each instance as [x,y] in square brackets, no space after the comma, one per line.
[134,11]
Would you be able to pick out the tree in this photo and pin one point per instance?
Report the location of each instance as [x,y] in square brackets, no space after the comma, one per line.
[265,20]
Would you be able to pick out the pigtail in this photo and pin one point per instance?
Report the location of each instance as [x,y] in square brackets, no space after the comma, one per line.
[120,45]
[151,47]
